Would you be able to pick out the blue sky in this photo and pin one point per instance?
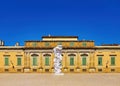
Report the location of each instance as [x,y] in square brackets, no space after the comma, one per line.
[97,20]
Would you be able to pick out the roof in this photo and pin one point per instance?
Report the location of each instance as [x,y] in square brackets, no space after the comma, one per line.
[107,47]
[60,41]
[11,47]
[59,36]
[110,45]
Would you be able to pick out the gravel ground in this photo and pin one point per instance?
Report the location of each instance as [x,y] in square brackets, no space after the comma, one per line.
[36,79]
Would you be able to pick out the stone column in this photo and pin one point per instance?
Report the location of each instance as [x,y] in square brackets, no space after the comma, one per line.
[25,59]
[41,63]
[27,62]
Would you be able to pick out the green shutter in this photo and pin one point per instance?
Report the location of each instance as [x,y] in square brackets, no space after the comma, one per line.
[47,44]
[84,61]
[71,44]
[34,44]
[84,44]
[59,43]
[99,61]
[46,60]
[112,60]
[34,61]
[71,60]
[18,61]
[6,61]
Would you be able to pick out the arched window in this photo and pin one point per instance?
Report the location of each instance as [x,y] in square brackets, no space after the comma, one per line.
[84,60]
[72,57]
[47,59]
[34,59]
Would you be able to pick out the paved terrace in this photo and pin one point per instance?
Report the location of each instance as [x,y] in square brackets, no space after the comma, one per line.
[34,79]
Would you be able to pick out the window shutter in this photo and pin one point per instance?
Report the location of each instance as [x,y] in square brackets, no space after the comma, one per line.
[6,61]
[71,60]
[46,60]
[84,61]
[99,61]
[112,60]
[34,61]
[18,61]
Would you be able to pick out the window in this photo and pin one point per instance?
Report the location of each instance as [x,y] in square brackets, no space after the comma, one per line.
[34,44]
[18,61]
[47,44]
[99,70]
[71,70]
[6,70]
[34,61]
[112,61]
[99,61]
[46,70]
[71,44]
[6,60]
[34,58]
[59,43]
[47,61]
[19,70]
[112,70]
[71,60]
[84,70]
[34,70]
[84,44]
[84,60]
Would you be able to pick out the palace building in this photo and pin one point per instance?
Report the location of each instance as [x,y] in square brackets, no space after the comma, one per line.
[79,56]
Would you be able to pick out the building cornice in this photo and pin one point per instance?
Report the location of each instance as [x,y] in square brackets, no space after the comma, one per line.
[59,36]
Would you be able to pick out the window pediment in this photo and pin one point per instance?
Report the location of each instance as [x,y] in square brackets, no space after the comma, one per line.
[46,55]
[34,55]
[71,55]
[84,54]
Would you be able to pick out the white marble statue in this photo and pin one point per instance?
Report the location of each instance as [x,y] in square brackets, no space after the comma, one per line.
[57,60]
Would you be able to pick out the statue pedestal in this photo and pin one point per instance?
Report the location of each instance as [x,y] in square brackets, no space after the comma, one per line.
[59,73]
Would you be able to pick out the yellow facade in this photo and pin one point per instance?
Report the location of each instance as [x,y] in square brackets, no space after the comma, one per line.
[12,64]
[79,56]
